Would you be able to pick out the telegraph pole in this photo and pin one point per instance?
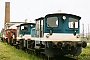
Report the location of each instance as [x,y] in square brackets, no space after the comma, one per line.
[88,30]
[83,29]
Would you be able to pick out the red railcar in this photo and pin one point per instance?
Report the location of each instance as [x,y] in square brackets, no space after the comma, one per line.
[10,35]
[10,32]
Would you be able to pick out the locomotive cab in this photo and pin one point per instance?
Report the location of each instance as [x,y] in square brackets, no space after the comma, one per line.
[24,36]
[59,34]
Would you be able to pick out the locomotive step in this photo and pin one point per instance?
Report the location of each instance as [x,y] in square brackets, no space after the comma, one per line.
[42,48]
[42,52]
[14,44]
[30,49]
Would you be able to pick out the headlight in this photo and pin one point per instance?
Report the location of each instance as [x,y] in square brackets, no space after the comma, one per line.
[77,36]
[21,36]
[64,17]
[47,36]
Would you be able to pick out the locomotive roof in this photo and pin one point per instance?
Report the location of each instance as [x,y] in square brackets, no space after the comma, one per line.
[10,29]
[57,14]
[25,23]
[63,14]
[39,18]
[14,26]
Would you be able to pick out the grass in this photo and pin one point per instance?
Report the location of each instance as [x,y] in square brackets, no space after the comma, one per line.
[8,52]
[85,55]
[85,38]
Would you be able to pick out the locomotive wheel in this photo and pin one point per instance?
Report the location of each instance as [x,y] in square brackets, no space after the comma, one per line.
[3,39]
[37,52]
[49,58]
[78,51]
[6,40]
[21,44]
[10,41]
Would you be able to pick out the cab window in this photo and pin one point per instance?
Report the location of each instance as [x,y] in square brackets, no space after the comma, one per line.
[73,23]
[52,22]
[24,28]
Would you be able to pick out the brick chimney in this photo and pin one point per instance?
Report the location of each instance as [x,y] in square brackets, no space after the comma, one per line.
[7,13]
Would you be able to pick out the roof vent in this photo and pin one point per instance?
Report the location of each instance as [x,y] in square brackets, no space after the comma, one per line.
[59,11]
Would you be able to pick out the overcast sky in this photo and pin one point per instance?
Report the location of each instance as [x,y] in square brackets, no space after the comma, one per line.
[32,9]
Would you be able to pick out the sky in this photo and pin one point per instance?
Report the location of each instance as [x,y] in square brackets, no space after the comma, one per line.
[32,9]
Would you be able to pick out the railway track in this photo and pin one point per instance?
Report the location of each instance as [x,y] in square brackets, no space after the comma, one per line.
[44,57]
[64,58]
[59,58]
